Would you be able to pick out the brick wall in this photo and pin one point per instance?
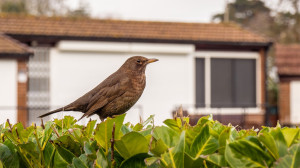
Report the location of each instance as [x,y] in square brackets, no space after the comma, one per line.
[254,120]
[22,93]
[284,102]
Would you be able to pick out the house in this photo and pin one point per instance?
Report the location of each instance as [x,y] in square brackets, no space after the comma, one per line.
[13,82]
[206,68]
[288,65]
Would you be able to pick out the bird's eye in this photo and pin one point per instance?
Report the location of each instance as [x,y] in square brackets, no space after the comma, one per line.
[138,61]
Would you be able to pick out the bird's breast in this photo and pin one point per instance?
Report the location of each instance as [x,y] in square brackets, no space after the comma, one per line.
[138,83]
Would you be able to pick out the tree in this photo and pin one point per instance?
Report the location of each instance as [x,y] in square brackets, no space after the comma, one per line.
[13,7]
[42,8]
[288,23]
[252,14]
[281,26]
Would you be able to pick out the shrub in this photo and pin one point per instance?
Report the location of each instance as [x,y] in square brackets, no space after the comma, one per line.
[63,143]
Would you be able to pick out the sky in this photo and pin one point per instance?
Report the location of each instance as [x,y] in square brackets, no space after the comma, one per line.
[158,10]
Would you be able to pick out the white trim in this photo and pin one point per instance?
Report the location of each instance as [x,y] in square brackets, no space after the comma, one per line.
[250,110]
[207,55]
[191,79]
[227,54]
[207,79]
[258,81]
[294,102]
[89,46]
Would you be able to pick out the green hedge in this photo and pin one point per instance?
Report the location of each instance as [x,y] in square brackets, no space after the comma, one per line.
[63,143]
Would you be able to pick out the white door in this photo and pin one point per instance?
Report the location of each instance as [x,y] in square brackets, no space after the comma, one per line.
[295,102]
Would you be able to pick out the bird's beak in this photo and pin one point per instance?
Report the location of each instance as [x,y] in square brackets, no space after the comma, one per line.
[152,60]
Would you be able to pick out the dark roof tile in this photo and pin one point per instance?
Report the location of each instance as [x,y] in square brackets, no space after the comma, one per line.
[12,46]
[213,32]
[288,59]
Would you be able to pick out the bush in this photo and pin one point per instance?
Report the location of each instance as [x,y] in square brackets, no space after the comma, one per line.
[63,143]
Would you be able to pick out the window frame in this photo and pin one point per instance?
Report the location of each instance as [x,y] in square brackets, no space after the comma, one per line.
[207,55]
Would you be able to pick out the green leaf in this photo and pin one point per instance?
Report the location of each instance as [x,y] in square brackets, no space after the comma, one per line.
[290,135]
[177,153]
[79,136]
[205,120]
[101,160]
[292,159]
[90,149]
[269,142]
[295,151]
[47,133]
[280,141]
[174,124]
[103,132]
[66,123]
[167,135]
[30,149]
[217,159]
[65,153]
[25,133]
[286,162]
[146,132]
[137,127]
[77,163]
[125,129]
[135,161]
[90,128]
[191,162]
[8,158]
[131,144]
[217,128]
[48,155]
[204,143]
[244,153]
[68,143]
[151,160]
[191,133]
[223,138]
[158,147]
[59,161]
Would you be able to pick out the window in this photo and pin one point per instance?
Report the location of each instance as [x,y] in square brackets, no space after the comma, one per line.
[200,89]
[227,79]
[233,83]
[38,92]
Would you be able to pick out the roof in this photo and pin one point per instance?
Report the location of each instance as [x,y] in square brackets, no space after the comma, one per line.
[9,46]
[120,29]
[288,59]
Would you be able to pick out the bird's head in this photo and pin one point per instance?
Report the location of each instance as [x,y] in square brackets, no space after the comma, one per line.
[137,64]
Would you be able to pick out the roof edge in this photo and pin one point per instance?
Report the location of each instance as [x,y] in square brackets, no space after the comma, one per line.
[54,39]
[15,55]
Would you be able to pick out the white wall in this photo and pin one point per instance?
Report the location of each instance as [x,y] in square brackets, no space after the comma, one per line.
[76,67]
[295,102]
[8,90]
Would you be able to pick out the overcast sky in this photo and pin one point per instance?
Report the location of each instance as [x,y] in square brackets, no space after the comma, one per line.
[159,10]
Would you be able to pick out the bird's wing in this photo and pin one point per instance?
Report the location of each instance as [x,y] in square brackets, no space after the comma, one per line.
[107,94]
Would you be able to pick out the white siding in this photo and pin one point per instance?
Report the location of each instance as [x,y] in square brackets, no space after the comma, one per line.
[77,67]
[295,102]
[8,91]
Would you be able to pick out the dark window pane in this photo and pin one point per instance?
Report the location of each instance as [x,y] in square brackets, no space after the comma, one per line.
[221,83]
[233,83]
[200,94]
[245,83]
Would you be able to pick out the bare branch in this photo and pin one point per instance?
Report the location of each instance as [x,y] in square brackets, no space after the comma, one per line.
[112,146]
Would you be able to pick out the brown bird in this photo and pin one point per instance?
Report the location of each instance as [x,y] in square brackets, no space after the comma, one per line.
[116,94]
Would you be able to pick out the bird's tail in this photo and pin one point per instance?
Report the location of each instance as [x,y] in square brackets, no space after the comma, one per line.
[52,112]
